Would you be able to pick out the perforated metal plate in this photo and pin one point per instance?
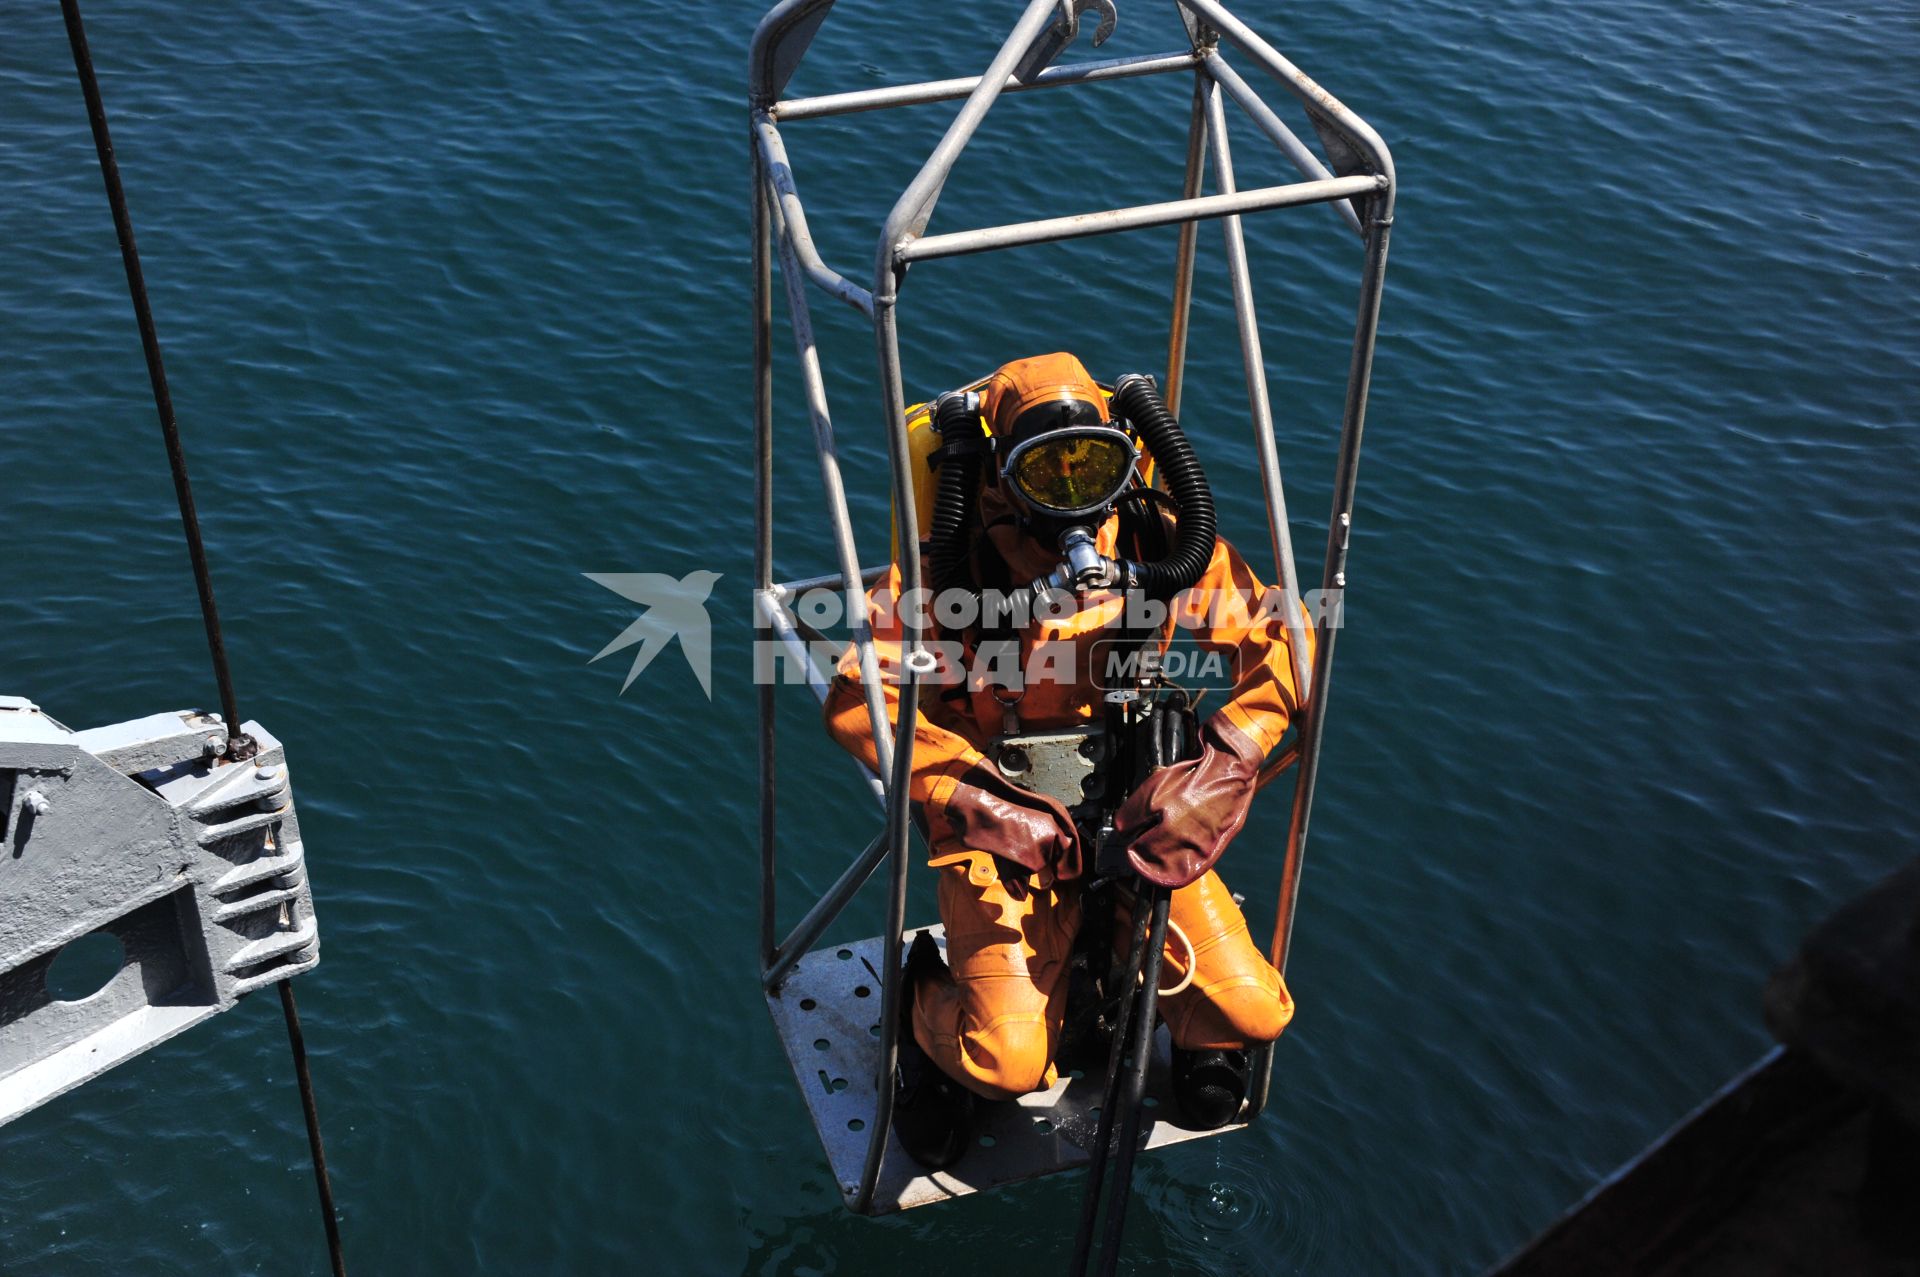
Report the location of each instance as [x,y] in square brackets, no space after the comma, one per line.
[828,1018]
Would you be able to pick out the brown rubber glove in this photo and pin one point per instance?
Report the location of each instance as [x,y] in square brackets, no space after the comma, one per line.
[1183,816]
[990,813]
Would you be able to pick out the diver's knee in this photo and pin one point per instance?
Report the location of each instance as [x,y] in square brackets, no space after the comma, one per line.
[1255,1013]
[1241,1014]
[1013,1057]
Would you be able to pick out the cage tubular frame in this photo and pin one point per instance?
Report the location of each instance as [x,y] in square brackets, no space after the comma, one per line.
[1361,192]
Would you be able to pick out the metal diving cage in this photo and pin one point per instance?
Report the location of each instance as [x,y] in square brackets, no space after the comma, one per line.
[836,1008]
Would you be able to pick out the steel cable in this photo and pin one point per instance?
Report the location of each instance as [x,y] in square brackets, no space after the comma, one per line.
[240,746]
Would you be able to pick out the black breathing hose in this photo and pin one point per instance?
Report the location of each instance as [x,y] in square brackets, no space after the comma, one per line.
[957,420]
[1138,401]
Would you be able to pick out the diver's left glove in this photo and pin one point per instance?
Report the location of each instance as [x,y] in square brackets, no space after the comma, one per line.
[1183,816]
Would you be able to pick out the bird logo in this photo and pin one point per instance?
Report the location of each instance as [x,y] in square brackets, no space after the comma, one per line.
[674,609]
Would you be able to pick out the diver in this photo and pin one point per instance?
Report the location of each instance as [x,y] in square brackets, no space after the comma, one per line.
[1041,498]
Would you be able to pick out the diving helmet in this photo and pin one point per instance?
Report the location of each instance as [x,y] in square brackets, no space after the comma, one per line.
[1058,453]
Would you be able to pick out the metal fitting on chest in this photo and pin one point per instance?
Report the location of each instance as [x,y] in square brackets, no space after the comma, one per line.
[1068,765]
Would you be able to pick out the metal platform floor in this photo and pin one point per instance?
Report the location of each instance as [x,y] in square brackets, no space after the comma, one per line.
[828,1018]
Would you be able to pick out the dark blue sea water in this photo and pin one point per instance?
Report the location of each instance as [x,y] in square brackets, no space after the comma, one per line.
[455,299]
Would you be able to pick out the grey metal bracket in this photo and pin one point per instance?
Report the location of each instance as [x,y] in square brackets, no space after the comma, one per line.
[142,832]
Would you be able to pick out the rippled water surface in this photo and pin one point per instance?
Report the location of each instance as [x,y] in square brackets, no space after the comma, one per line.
[455,303]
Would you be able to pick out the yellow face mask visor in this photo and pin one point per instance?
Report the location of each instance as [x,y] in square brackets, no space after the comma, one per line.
[1073,471]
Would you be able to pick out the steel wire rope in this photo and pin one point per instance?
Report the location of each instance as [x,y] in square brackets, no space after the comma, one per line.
[240,746]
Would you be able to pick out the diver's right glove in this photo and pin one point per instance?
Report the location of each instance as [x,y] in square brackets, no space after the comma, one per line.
[987,812]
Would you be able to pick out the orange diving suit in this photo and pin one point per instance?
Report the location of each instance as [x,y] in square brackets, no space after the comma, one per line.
[1011,863]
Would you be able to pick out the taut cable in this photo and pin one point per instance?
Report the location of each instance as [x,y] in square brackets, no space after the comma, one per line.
[240,746]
